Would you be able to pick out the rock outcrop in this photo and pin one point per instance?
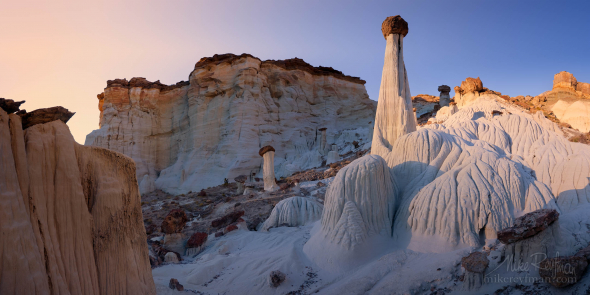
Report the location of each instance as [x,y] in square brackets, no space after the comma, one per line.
[42,116]
[533,237]
[395,116]
[528,225]
[568,100]
[445,97]
[294,211]
[475,265]
[194,134]
[10,106]
[70,215]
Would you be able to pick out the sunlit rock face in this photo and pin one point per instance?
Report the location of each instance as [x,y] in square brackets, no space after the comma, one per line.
[194,134]
[569,99]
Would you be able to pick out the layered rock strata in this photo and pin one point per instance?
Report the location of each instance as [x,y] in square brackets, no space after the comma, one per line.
[70,215]
[194,134]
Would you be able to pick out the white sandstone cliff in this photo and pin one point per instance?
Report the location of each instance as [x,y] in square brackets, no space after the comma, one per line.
[194,134]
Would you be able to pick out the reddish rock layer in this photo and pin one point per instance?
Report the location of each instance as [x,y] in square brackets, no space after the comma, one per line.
[528,225]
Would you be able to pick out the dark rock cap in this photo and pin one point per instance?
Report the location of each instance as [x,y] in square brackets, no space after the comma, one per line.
[241,178]
[10,106]
[444,88]
[197,240]
[265,150]
[322,129]
[42,116]
[394,25]
[528,225]
[287,64]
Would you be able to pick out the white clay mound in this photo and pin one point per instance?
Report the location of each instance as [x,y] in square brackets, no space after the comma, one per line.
[367,185]
[294,211]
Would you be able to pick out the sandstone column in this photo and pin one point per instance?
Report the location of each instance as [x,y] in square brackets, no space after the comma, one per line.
[268,154]
[445,98]
[394,116]
[323,141]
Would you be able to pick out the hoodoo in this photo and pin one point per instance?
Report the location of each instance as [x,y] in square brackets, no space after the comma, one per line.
[268,154]
[394,116]
[445,98]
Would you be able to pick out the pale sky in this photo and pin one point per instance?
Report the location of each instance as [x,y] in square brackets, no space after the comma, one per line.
[63,52]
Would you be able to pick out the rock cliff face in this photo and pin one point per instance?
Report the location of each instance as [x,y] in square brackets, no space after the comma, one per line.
[192,135]
[570,101]
[70,215]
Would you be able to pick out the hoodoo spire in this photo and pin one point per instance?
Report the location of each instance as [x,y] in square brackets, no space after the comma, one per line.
[395,115]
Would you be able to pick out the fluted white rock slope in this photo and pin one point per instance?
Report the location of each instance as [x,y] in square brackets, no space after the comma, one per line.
[294,211]
[194,134]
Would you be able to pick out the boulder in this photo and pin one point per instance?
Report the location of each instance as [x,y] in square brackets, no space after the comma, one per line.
[227,219]
[563,271]
[175,242]
[475,265]
[10,106]
[196,243]
[471,85]
[276,277]
[175,285]
[528,225]
[476,262]
[171,257]
[42,116]
[174,221]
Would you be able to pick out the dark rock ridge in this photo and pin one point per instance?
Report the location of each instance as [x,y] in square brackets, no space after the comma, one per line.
[394,25]
[288,64]
[143,83]
[528,225]
[42,116]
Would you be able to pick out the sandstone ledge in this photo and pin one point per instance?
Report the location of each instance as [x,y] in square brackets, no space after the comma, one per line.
[287,64]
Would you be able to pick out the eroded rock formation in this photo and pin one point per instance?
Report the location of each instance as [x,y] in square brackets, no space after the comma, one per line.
[294,211]
[70,215]
[395,116]
[192,135]
[445,97]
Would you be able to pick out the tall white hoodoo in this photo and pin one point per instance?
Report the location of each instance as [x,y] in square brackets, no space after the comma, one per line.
[268,155]
[395,116]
